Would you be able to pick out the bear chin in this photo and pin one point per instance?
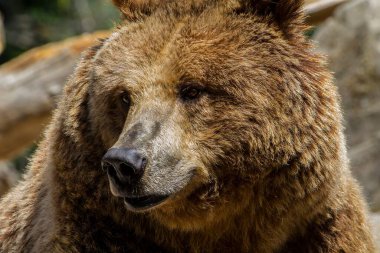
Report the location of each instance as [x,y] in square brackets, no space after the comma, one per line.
[144,203]
[201,209]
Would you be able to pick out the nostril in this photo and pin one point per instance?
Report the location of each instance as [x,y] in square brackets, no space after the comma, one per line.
[109,168]
[127,170]
[143,162]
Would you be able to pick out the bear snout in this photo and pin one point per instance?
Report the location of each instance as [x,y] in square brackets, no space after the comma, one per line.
[125,167]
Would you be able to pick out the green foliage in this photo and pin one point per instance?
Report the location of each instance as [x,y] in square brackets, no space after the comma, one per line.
[30,24]
[22,160]
[11,52]
[309,33]
[64,4]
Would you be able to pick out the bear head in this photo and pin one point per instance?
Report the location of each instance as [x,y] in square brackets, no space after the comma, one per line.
[195,103]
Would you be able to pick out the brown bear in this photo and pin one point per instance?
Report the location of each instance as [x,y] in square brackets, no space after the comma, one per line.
[197,126]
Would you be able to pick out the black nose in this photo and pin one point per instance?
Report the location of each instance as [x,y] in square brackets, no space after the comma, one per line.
[124,164]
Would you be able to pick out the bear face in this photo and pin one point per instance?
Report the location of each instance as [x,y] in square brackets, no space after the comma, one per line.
[219,131]
[208,99]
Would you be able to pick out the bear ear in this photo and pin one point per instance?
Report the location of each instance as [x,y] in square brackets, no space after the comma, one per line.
[286,13]
[135,9]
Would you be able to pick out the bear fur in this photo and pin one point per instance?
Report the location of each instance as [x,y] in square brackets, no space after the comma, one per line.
[242,129]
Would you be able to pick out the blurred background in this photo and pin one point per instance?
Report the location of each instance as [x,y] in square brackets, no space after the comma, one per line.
[41,40]
[29,24]
[39,46]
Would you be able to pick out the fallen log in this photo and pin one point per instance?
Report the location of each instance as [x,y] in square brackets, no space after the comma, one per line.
[2,34]
[29,86]
[319,10]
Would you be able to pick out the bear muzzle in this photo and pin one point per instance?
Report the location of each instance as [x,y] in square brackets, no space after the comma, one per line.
[125,167]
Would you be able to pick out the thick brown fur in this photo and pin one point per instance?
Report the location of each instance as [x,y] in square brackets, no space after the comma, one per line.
[262,159]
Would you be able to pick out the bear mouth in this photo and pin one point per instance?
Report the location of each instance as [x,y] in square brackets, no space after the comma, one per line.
[144,203]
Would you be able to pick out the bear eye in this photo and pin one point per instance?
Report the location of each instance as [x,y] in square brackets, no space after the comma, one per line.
[190,93]
[126,100]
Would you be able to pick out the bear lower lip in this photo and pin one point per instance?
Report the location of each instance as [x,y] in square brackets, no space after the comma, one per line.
[144,202]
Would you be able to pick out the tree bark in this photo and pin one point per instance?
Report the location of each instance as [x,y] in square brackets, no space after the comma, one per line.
[30,84]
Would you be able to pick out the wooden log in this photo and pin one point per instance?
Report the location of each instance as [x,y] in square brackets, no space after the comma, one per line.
[30,83]
[2,34]
[319,10]
[29,86]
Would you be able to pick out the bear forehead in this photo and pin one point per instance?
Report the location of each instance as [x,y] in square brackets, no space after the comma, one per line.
[168,49]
